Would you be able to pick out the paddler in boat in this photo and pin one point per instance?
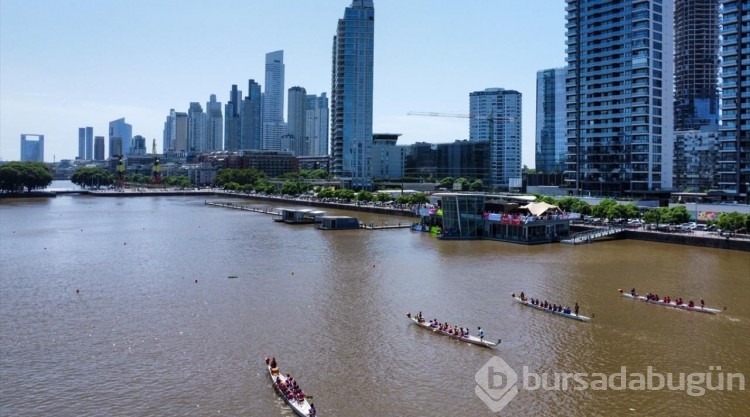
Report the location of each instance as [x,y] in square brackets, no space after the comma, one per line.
[691,304]
[481,333]
[523,297]
[312,410]
[703,304]
[632,292]
[576,309]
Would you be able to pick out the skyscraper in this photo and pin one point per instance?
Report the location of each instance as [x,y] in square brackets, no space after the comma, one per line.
[214,125]
[181,132]
[316,124]
[551,144]
[32,150]
[351,95]
[273,101]
[196,129]
[120,135]
[168,138]
[99,148]
[495,116]
[251,124]
[734,134]
[296,117]
[696,64]
[619,96]
[85,142]
[233,120]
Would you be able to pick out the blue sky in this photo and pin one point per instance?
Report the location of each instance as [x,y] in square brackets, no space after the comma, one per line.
[66,64]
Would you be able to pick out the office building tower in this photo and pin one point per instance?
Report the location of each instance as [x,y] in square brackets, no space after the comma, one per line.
[550,121]
[619,96]
[273,101]
[214,125]
[388,158]
[351,95]
[316,124]
[119,130]
[32,150]
[99,148]
[233,120]
[196,128]
[181,132]
[296,118]
[138,146]
[495,116]
[251,117]
[85,142]
[168,137]
[734,133]
[696,64]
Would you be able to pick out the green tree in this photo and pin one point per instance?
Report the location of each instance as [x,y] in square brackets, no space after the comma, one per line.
[567,203]
[581,207]
[419,198]
[365,195]
[655,215]
[624,211]
[602,210]
[383,197]
[732,221]
[344,194]
[447,182]
[678,214]
[92,177]
[290,188]
[476,185]
[326,193]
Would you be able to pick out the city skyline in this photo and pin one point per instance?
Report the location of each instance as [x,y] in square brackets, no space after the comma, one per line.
[51,85]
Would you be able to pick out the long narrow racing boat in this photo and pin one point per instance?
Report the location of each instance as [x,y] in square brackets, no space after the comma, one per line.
[300,405]
[570,315]
[474,340]
[672,304]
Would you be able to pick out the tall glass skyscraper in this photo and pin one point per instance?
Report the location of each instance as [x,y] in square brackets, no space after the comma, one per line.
[495,116]
[233,120]
[619,96]
[214,125]
[316,124]
[120,136]
[296,120]
[85,142]
[351,95]
[251,117]
[734,134]
[551,144]
[273,101]
[32,150]
[696,64]
[196,130]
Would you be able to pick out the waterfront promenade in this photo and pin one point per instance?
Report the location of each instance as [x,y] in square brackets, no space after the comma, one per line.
[702,238]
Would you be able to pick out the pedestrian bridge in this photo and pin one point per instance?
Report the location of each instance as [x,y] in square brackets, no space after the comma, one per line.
[593,234]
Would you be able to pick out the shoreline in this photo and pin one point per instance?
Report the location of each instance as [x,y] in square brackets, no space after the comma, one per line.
[703,239]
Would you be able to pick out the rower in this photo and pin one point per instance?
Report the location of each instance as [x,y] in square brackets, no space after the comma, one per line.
[523,297]
[481,333]
[703,304]
[576,309]
[312,410]
[632,292]
[691,304]
[273,363]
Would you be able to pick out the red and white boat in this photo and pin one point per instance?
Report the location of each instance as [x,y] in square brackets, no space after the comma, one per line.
[474,340]
[672,304]
[301,406]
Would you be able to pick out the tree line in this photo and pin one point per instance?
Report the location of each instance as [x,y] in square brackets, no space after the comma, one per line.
[17,176]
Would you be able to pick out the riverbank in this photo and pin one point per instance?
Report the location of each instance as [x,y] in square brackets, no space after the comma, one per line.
[703,239]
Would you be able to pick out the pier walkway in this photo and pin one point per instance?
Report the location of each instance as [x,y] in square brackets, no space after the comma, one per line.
[368,226]
[588,236]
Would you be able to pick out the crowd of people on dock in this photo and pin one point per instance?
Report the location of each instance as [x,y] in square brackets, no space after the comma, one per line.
[549,306]
[667,299]
[288,386]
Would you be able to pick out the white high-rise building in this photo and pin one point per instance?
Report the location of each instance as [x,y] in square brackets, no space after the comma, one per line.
[495,116]
[272,111]
[316,124]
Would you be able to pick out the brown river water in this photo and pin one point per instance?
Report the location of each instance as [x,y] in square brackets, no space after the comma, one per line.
[125,307]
